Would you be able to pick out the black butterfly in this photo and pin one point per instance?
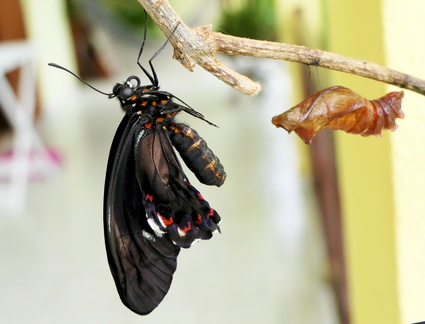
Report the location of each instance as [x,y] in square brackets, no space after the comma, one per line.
[150,208]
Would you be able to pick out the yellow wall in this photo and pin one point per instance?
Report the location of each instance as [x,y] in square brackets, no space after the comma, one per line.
[365,173]
[382,179]
[404,30]
[365,169]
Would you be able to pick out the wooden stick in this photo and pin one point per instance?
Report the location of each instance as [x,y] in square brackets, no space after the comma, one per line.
[199,45]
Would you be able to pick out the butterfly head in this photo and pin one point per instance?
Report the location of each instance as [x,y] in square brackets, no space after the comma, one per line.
[129,88]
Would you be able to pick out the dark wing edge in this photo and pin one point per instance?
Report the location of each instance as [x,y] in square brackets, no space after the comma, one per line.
[142,263]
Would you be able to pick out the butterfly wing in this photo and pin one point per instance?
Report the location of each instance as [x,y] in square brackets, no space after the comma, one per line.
[142,263]
[174,207]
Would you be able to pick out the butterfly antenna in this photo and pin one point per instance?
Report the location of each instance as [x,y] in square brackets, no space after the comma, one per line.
[152,77]
[85,82]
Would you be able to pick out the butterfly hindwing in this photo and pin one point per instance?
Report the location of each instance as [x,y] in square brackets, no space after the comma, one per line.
[174,207]
[142,263]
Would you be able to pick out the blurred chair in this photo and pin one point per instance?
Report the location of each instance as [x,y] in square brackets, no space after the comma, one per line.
[18,108]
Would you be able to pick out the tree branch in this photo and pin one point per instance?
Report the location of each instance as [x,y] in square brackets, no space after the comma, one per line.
[199,46]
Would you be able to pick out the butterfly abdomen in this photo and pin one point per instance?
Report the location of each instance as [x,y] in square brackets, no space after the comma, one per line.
[196,154]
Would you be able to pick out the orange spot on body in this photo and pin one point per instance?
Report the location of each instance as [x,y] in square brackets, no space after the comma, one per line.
[160,119]
[210,166]
[189,134]
[133,97]
[178,130]
[148,125]
[153,103]
[144,103]
[195,145]
[164,101]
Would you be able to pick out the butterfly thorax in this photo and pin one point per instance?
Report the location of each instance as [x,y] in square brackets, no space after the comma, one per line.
[154,105]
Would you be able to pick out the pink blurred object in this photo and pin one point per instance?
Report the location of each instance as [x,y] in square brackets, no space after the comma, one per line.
[41,164]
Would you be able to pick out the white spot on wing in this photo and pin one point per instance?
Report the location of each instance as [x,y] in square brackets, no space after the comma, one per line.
[160,220]
[148,236]
[139,136]
[155,227]
[181,233]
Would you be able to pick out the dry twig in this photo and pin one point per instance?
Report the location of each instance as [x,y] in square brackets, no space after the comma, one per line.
[199,46]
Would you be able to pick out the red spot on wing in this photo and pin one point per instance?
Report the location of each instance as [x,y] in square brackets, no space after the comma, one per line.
[198,219]
[149,197]
[166,221]
[186,228]
[211,213]
[199,196]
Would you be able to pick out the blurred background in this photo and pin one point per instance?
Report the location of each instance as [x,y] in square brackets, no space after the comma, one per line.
[326,233]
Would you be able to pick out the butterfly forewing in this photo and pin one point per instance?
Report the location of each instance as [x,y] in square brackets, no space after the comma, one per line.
[142,263]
